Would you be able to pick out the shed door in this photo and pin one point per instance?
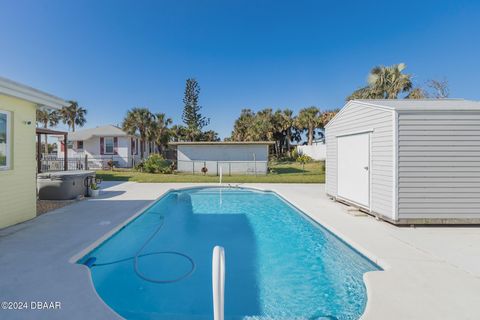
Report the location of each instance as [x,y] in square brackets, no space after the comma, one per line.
[353,168]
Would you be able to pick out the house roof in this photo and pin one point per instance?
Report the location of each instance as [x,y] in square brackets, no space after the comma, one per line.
[102,131]
[414,105]
[21,91]
[196,143]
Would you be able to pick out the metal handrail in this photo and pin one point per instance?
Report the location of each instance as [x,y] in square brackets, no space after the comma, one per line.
[218,282]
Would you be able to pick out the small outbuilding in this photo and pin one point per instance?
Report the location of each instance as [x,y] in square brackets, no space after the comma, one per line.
[407,161]
[227,157]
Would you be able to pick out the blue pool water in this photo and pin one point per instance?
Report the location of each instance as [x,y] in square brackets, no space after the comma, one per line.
[279,264]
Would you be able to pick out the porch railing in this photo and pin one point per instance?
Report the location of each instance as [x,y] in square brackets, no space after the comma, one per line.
[49,163]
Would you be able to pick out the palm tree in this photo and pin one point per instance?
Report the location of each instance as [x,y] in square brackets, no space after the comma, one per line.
[263,128]
[178,133]
[287,133]
[390,80]
[385,83]
[47,118]
[242,127]
[309,119]
[327,116]
[365,93]
[417,93]
[73,115]
[209,135]
[161,131]
[139,120]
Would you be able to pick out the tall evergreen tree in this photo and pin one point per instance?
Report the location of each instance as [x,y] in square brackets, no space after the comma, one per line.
[191,116]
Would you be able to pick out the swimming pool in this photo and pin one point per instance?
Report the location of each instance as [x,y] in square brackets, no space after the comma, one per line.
[279,263]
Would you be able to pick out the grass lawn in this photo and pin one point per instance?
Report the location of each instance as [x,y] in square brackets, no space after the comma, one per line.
[283,172]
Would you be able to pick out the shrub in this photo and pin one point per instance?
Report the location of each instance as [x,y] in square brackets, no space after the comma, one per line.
[295,154]
[156,164]
[304,159]
[139,166]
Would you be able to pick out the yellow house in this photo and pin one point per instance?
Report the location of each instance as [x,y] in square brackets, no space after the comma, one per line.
[18,104]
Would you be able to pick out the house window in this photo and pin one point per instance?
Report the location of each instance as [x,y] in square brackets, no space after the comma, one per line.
[70,144]
[108,145]
[80,145]
[4,140]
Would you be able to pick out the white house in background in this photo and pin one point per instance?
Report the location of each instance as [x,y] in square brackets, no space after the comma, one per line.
[102,144]
[230,157]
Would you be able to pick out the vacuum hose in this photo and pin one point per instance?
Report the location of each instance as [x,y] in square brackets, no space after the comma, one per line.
[139,255]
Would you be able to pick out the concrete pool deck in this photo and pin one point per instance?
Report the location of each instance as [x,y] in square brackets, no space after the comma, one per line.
[430,272]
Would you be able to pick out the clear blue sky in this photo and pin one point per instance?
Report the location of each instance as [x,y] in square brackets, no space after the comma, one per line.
[115,55]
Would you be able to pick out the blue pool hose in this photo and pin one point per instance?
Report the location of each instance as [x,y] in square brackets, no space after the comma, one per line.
[91,261]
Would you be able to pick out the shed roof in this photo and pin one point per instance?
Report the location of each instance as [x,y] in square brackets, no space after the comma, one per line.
[102,131]
[413,105]
[21,91]
[422,104]
[221,143]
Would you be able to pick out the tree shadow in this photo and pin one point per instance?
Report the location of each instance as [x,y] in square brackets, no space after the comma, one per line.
[285,170]
[112,177]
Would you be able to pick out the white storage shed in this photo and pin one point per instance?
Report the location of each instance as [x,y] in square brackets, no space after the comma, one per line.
[229,157]
[407,161]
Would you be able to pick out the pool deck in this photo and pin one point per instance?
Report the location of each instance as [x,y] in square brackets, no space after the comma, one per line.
[430,272]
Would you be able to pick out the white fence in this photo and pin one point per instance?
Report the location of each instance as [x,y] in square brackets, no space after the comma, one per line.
[316,152]
[228,167]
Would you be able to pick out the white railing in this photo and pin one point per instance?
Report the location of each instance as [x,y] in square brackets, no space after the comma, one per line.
[49,164]
[220,174]
[218,282]
[87,162]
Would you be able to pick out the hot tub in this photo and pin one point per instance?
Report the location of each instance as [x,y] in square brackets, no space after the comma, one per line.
[63,185]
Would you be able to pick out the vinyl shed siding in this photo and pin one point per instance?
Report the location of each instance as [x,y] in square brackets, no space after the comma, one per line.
[439,164]
[356,118]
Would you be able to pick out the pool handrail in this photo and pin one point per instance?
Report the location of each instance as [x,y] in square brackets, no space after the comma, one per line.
[218,282]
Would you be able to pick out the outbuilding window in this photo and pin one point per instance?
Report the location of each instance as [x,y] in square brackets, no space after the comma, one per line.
[80,145]
[5,140]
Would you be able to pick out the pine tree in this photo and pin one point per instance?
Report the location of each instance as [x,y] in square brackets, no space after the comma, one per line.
[191,112]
